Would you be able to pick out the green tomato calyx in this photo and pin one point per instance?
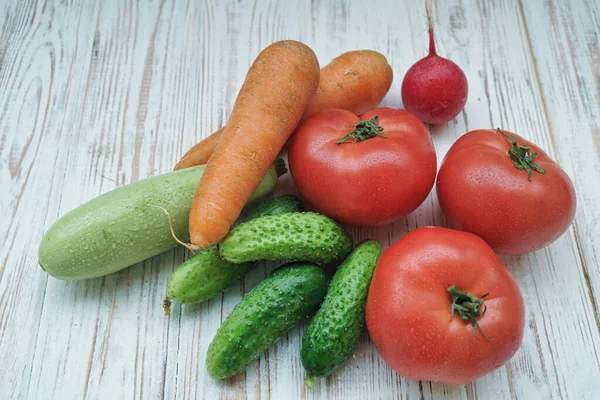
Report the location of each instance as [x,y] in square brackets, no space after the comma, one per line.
[363,130]
[522,157]
[468,307]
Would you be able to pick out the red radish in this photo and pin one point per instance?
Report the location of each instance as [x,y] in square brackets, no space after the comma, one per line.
[434,89]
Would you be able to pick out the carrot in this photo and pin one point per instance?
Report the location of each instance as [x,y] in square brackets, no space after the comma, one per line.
[355,81]
[277,89]
[200,153]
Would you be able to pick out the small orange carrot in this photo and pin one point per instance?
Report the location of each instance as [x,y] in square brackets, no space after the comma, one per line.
[355,81]
[277,89]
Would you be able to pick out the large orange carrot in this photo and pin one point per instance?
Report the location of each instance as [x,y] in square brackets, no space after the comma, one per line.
[277,89]
[355,81]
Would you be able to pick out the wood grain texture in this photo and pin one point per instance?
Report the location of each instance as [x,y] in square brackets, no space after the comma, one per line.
[97,94]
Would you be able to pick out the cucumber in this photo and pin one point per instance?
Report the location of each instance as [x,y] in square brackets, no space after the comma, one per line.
[333,334]
[276,206]
[280,301]
[298,236]
[125,226]
[207,274]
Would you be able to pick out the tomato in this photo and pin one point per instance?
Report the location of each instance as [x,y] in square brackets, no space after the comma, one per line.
[481,190]
[409,308]
[382,171]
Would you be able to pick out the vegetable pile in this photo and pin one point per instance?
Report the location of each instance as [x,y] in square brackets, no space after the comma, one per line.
[438,304]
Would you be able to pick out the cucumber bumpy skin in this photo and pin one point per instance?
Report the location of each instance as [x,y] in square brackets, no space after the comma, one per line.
[284,298]
[207,274]
[299,236]
[127,225]
[333,333]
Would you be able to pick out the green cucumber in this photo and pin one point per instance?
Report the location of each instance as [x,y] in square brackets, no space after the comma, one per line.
[125,226]
[298,236]
[207,274]
[284,298]
[333,333]
[276,206]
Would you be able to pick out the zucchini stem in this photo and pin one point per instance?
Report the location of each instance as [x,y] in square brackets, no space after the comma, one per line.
[167,306]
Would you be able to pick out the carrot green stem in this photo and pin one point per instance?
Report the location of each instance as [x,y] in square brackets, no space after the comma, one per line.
[468,307]
[522,157]
[363,130]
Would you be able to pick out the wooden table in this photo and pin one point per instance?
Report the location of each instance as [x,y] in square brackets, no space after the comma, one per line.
[98,94]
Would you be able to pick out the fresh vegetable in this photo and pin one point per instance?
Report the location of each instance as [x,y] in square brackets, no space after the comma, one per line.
[125,226]
[369,170]
[278,205]
[434,89]
[335,330]
[506,190]
[271,101]
[201,151]
[294,236]
[275,305]
[207,274]
[442,307]
[355,81]
[202,276]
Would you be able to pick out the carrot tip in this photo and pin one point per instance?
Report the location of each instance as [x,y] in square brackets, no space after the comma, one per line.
[193,247]
[182,164]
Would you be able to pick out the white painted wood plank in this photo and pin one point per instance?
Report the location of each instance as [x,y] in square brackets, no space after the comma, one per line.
[36,78]
[101,324]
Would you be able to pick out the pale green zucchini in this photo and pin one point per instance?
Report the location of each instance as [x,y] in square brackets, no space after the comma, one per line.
[127,225]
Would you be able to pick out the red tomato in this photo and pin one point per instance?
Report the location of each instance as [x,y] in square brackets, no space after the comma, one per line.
[369,182]
[480,190]
[409,308]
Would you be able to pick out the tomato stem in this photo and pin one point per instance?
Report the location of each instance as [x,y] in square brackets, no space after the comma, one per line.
[522,156]
[468,307]
[363,130]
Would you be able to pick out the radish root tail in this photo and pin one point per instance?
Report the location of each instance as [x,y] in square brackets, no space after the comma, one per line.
[432,50]
[428,13]
[188,246]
